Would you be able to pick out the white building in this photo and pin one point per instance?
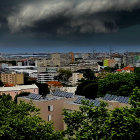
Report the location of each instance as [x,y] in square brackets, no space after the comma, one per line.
[76,77]
[45,77]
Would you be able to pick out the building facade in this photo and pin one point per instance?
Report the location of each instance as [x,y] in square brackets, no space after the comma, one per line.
[51,107]
[12,78]
[13,91]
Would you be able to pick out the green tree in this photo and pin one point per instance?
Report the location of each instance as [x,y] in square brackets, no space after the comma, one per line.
[122,65]
[117,84]
[88,89]
[108,69]
[21,121]
[28,80]
[87,123]
[91,122]
[88,74]
[116,66]
[1,84]
[137,73]
[63,76]
[43,89]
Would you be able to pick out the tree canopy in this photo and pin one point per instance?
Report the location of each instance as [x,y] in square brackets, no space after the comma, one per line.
[87,88]
[87,73]
[21,121]
[63,76]
[118,84]
[91,122]
[43,88]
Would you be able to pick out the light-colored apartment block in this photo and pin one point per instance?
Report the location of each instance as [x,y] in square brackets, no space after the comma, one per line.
[76,77]
[51,107]
[13,91]
[12,78]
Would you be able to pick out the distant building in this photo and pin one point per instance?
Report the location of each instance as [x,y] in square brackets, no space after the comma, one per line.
[12,78]
[76,77]
[45,77]
[109,63]
[42,62]
[13,91]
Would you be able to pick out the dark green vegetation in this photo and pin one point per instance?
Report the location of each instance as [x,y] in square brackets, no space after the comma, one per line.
[21,122]
[88,89]
[99,123]
[43,89]
[117,84]
[120,84]
[1,84]
[28,80]
[87,73]
[63,76]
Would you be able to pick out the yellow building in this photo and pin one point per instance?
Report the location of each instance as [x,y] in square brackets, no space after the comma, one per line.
[106,63]
[12,78]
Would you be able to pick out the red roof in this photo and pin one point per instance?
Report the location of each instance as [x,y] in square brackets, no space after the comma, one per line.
[128,68]
[9,85]
[54,83]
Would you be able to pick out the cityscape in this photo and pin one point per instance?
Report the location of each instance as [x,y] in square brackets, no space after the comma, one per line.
[69,70]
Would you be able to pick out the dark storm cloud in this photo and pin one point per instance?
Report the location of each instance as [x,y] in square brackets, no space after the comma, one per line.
[69,17]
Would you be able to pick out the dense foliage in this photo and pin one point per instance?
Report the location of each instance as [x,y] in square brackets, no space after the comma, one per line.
[21,122]
[1,84]
[28,80]
[88,89]
[43,88]
[63,76]
[87,73]
[99,123]
[117,84]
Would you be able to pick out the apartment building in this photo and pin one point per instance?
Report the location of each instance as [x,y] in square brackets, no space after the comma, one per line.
[76,77]
[45,77]
[51,107]
[12,78]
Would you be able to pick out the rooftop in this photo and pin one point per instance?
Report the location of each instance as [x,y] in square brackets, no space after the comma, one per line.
[18,87]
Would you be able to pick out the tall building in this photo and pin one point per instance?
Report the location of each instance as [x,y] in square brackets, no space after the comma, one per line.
[76,77]
[12,78]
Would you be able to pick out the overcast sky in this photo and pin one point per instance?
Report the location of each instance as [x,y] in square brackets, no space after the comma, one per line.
[69,25]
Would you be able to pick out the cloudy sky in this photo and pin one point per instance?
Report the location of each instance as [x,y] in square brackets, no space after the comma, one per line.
[69,25]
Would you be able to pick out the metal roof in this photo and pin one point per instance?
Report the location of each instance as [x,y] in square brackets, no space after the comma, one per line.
[120,99]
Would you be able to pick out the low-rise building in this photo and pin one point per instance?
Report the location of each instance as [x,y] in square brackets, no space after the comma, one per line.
[13,91]
[51,107]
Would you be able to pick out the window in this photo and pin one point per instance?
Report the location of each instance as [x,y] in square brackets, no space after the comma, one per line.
[50,108]
[49,117]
